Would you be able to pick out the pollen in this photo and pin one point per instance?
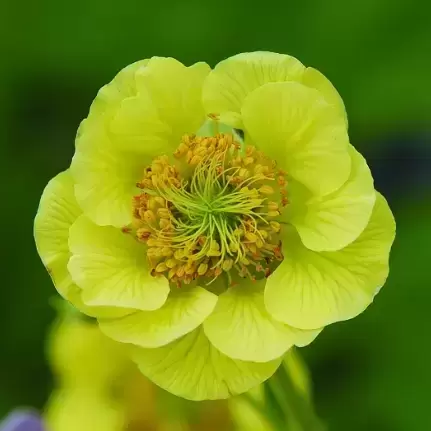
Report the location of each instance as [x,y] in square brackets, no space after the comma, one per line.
[210,210]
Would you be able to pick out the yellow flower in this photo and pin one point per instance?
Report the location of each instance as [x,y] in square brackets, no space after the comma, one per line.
[214,219]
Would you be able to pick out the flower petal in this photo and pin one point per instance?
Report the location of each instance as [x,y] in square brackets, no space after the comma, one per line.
[141,114]
[110,158]
[106,181]
[176,90]
[310,289]
[184,310]
[75,298]
[57,211]
[314,79]
[331,222]
[112,94]
[241,328]
[306,135]
[192,368]
[111,268]
[234,78]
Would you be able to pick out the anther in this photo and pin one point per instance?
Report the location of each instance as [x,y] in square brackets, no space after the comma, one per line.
[266,190]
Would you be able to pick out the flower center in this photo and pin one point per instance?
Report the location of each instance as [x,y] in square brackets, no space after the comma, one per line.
[210,211]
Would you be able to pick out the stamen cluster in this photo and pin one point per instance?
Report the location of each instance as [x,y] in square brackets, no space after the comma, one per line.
[211,210]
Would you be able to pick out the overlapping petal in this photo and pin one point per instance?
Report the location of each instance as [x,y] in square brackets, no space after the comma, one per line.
[241,328]
[184,310]
[57,211]
[141,114]
[311,289]
[314,79]
[192,368]
[307,137]
[331,222]
[111,268]
[176,91]
[233,79]
[106,181]
[112,94]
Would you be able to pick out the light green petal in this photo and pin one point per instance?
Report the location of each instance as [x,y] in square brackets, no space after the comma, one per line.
[184,310]
[234,78]
[311,289]
[111,268]
[241,328]
[141,114]
[176,91]
[75,298]
[314,79]
[331,222]
[57,211]
[304,134]
[106,181]
[124,116]
[192,368]
[138,128]
[110,95]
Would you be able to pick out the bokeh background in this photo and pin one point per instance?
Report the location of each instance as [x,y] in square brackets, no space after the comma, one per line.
[372,373]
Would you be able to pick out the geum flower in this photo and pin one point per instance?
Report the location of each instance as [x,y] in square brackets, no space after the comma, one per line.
[214,253]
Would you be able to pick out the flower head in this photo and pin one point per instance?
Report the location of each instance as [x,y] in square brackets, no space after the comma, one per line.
[214,219]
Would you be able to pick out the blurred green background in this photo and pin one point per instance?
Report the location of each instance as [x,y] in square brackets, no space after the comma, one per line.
[372,373]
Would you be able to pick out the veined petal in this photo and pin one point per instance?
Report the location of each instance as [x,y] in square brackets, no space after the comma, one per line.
[124,117]
[234,78]
[314,79]
[311,289]
[241,328]
[112,94]
[58,210]
[192,368]
[105,181]
[331,222]
[184,310]
[75,298]
[299,129]
[176,91]
[137,127]
[111,268]
[141,114]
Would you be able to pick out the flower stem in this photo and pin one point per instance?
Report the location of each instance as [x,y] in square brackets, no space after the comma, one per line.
[288,388]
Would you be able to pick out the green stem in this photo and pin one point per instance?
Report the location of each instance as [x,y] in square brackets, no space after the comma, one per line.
[292,401]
